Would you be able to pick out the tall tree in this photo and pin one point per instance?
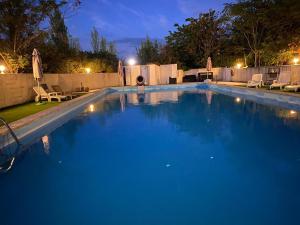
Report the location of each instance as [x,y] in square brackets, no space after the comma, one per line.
[74,43]
[112,48]
[149,51]
[59,31]
[248,18]
[103,44]
[192,43]
[95,40]
[20,28]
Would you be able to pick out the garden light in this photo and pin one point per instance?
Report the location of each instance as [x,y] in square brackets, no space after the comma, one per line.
[238,65]
[296,61]
[131,62]
[2,69]
[88,70]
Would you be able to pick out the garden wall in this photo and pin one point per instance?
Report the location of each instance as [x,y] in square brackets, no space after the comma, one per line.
[17,88]
[244,75]
[219,73]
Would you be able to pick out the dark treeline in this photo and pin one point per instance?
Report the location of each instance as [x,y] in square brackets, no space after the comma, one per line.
[251,32]
[28,24]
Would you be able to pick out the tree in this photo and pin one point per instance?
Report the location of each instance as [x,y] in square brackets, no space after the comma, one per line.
[112,48]
[59,31]
[20,29]
[192,43]
[74,44]
[265,27]
[103,44]
[248,17]
[149,52]
[95,40]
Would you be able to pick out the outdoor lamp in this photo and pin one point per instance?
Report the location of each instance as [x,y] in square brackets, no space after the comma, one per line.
[296,60]
[88,70]
[2,69]
[239,65]
[131,62]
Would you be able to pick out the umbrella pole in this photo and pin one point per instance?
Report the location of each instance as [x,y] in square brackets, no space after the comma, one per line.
[39,94]
[39,97]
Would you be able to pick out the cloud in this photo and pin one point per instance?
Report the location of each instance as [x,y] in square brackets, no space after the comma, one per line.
[130,10]
[148,21]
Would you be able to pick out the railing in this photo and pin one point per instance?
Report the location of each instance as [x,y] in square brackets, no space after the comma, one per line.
[11,132]
[9,147]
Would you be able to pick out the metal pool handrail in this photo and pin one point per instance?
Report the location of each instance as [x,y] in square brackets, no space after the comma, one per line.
[12,133]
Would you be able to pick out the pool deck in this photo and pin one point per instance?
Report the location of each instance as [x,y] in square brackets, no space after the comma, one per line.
[60,114]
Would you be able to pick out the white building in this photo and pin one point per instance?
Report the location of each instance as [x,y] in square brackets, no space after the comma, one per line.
[152,74]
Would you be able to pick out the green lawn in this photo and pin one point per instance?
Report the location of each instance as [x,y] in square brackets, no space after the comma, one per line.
[18,112]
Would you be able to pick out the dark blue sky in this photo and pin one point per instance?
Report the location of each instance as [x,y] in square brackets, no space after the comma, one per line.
[134,19]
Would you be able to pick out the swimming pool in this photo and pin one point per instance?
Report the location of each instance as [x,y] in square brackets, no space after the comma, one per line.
[171,157]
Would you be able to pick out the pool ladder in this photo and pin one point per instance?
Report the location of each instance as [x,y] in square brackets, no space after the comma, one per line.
[11,132]
[9,148]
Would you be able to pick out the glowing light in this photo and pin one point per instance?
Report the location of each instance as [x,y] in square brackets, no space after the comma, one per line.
[292,112]
[239,65]
[296,61]
[2,69]
[88,70]
[131,62]
[46,144]
[92,108]
[238,100]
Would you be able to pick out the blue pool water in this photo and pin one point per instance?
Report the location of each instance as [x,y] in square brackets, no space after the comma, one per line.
[162,158]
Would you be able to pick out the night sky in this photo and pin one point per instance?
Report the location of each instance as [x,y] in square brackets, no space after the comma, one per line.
[128,21]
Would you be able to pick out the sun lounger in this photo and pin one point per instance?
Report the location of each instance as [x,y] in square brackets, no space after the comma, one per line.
[284,79]
[256,81]
[293,87]
[58,89]
[41,93]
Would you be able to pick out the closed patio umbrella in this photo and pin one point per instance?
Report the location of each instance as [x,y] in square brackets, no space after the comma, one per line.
[120,72]
[208,65]
[37,68]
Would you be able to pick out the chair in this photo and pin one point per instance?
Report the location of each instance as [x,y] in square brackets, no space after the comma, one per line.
[41,93]
[256,81]
[293,87]
[58,89]
[284,79]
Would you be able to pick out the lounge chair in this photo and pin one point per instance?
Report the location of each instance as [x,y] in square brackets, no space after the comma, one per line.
[41,93]
[293,87]
[256,81]
[58,89]
[284,79]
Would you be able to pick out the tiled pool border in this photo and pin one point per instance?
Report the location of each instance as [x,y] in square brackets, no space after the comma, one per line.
[56,118]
